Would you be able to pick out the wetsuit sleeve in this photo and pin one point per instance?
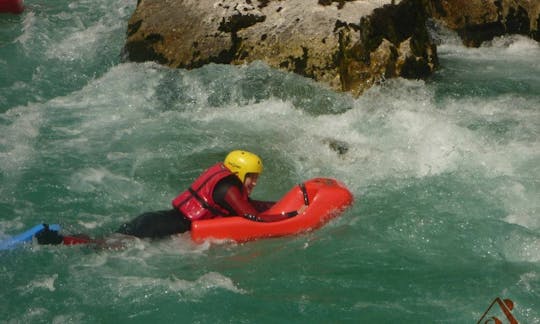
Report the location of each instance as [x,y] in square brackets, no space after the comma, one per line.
[229,195]
[246,209]
[241,206]
[262,206]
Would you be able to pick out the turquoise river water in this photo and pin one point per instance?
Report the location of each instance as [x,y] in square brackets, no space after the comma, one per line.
[445,174]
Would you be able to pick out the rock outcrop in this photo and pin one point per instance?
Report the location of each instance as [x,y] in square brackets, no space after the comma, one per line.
[477,21]
[347,44]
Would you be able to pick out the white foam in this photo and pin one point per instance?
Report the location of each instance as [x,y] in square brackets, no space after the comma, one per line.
[527,281]
[77,317]
[520,246]
[521,201]
[77,44]
[41,282]
[99,178]
[387,135]
[140,288]
[526,220]
[515,44]
[29,28]
[393,131]
[33,314]
[10,227]
[90,224]
[500,51]
[18,138]
[83,36]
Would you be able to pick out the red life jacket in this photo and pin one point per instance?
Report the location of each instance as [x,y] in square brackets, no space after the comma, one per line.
[197,201]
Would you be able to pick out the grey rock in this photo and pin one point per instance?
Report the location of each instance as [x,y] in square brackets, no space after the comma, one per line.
[347,45]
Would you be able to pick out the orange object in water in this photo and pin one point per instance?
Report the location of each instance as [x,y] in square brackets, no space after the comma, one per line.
[316,201]
[11,6]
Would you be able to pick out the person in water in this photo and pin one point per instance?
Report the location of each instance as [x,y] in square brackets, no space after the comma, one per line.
[222,190]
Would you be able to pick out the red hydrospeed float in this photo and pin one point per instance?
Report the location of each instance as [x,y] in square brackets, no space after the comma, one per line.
[308,205]
[11,6]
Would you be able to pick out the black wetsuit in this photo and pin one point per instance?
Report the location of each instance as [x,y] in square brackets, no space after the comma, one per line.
[164,223]
[168,222]
[156,224]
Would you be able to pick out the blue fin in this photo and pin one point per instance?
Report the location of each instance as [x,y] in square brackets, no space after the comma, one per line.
[25,236]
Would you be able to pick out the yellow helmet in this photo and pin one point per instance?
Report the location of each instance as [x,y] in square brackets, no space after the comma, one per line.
[243,162]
